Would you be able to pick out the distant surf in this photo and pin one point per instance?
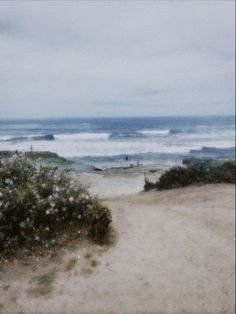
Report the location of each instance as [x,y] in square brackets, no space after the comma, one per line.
[155,132]
[141,139]
[46,137]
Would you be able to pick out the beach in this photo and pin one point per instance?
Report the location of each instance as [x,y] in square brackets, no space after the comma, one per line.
[119,181]
[170,252]
[117,157]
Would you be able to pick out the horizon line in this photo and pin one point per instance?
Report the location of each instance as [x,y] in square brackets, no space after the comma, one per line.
[121,117]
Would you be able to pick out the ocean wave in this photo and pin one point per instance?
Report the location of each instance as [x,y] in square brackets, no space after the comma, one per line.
[71,146]
[79,148]
[123,135]
[214,149]
[177,131]
[82,136]
[214,152]
[45,137]
[154,132]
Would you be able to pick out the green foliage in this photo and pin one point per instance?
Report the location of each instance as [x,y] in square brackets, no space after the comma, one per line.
[148,185]
[221,173]
[99,218]
[36,200]
[195,172]
[46,157]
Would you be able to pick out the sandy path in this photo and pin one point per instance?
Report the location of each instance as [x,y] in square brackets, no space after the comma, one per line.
[174,253]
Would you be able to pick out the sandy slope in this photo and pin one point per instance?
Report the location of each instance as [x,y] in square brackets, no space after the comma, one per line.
[174,252]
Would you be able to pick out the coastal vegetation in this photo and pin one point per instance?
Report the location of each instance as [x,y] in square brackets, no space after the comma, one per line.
[44,156]
[194,171]
[38,202]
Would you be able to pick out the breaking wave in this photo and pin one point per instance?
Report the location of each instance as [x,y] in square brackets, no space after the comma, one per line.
[46,137]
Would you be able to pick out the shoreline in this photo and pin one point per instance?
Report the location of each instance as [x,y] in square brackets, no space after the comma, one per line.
[106,179]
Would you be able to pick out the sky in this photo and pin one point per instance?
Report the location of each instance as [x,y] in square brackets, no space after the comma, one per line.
[116,58]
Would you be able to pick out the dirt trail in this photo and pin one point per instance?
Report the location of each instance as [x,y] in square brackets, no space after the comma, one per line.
[174,252]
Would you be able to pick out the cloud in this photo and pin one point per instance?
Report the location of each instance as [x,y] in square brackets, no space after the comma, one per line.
[105,58]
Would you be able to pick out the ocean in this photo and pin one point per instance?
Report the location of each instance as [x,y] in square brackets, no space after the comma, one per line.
[110,140]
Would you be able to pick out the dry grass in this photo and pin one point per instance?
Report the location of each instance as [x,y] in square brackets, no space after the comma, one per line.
[86,271]
[94,263]
[43,285]
[71,263]
[88,255]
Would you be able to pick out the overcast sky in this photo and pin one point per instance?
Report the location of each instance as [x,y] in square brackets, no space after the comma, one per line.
[73,59]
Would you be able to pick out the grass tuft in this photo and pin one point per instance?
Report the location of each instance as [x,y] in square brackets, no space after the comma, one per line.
[88,255]
[43,286]
[71,263]
[94,263]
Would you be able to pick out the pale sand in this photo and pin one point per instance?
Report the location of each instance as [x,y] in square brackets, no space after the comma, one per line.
[173,252]
[118,182]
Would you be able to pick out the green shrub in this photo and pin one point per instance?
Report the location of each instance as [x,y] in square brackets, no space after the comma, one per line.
[148,185]
[99,218]
[197,171]
[36,200]
[179,176]
[222,173]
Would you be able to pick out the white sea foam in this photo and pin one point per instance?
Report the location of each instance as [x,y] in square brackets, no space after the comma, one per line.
[154,132]
[98,144]
[101,144]
[82,136]
[27,137]
[5,137]
[79,148]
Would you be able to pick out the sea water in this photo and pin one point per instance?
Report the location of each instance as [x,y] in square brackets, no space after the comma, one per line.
[111,140]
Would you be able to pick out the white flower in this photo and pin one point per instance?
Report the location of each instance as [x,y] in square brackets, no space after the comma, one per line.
[71,199]
[64,209]
[37,238]
[6,205]
[57,189]
[47,212]
[22,224]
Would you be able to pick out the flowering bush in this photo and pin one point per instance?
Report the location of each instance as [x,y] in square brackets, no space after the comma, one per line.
[35,200]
